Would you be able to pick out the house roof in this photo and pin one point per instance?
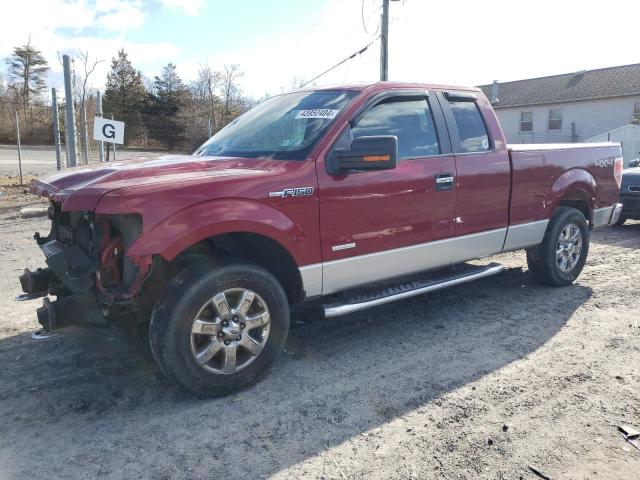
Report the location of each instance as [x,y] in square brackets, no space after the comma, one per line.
[569,87]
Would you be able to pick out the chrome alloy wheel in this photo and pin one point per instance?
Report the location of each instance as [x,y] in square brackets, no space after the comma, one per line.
[569,247]
[230,330]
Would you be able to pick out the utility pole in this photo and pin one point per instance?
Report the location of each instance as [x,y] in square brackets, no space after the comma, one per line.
[384,41]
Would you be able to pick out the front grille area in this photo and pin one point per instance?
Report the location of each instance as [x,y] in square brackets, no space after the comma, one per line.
[65,234]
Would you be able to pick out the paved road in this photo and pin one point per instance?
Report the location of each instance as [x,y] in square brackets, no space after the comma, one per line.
[36,160]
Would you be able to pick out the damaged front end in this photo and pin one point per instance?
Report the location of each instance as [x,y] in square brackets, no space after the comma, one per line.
[95,283]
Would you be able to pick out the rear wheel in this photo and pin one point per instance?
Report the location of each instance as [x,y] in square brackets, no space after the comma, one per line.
[561,256]
[219,329]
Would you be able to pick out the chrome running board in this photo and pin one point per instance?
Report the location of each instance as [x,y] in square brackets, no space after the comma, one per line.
[413,289]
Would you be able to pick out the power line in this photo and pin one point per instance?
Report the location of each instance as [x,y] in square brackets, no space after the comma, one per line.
[362,50]
[322,14]
[364,24]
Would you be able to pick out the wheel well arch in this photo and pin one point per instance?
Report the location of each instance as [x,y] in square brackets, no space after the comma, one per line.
[255,248]
[579,200]
[575,188]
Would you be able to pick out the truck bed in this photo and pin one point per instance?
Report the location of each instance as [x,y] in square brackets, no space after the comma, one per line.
[541,170]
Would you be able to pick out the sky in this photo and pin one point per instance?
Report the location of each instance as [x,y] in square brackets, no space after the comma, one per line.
[280,42]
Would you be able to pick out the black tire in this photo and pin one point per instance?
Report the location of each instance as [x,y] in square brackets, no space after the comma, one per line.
[542,260]
[172,319]
[620,221]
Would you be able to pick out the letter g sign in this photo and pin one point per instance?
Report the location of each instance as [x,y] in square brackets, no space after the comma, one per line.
[107,130]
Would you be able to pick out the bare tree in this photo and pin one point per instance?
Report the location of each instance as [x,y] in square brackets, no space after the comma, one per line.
[230,89]
[204,90]
[297,82]
[82,92]
[88,68]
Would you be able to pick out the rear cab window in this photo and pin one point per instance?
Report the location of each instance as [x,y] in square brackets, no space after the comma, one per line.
[470,126]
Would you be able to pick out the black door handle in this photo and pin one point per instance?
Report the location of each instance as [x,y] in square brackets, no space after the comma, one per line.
[444,181]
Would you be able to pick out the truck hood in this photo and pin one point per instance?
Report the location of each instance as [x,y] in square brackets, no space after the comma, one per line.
[80,188]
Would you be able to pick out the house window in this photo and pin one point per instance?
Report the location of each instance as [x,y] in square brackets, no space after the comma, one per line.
[636,112]
[526,121]
[555,119]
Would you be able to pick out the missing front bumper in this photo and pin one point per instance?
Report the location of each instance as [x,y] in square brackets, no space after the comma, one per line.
[72,310]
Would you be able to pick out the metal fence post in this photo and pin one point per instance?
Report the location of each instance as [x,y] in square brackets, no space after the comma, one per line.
[56,127]
[114,144]
[99,113]
[70,128]
[19,148]
[85,136]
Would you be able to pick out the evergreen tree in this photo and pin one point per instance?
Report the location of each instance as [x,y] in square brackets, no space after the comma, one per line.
[169,88]
[163,106]
[125,93]
[27,69]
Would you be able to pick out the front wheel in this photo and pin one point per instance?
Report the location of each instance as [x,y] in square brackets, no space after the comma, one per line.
[561,256]
[218,329]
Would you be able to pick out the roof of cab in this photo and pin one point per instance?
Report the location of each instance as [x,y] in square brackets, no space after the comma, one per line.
[390,85]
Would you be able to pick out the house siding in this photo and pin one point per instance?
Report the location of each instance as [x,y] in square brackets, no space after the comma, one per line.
[591,118]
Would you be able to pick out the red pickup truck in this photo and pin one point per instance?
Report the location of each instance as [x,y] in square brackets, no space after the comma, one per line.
[348,197]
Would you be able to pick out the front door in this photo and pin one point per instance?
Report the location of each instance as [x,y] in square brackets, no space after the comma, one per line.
[382,224]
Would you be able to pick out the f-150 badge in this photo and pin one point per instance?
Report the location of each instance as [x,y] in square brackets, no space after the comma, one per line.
[293,192]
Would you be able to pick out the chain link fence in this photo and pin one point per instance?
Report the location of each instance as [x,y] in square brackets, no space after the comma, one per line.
[32,124]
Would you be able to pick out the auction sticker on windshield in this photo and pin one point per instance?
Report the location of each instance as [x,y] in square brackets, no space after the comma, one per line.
[317,113]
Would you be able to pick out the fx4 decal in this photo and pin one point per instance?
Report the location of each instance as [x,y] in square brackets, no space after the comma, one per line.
[604,162]
[293,192]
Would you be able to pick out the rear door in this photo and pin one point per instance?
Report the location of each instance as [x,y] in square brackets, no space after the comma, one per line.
[381,224]
[483,178]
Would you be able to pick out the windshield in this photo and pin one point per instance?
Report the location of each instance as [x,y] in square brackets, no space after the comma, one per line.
[283,127]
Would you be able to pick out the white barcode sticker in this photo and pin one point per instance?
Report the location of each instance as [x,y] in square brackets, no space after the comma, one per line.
[317,113]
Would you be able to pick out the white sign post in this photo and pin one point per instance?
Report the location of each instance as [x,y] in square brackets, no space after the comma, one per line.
[106,130]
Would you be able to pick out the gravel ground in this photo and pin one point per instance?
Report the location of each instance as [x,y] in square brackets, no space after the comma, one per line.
[479,381]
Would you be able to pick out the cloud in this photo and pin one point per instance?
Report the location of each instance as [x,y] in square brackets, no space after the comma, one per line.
[119,15]
[305,47]
[430,43]
[96,26]
[190,7]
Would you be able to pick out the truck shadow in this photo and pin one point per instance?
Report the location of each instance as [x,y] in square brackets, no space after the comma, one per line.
[627,235]
[116,416]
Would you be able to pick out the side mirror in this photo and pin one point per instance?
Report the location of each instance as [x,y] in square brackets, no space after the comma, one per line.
[634,163]
[367,153]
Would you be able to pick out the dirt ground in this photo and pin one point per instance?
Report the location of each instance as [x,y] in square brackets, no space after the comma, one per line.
[478,381]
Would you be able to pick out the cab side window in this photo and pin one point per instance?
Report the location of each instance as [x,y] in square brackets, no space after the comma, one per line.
[409,120]
[473,133]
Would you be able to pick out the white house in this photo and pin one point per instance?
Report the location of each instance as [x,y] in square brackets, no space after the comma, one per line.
[567,108]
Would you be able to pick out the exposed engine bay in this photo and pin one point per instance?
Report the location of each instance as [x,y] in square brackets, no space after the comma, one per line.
[87,270]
